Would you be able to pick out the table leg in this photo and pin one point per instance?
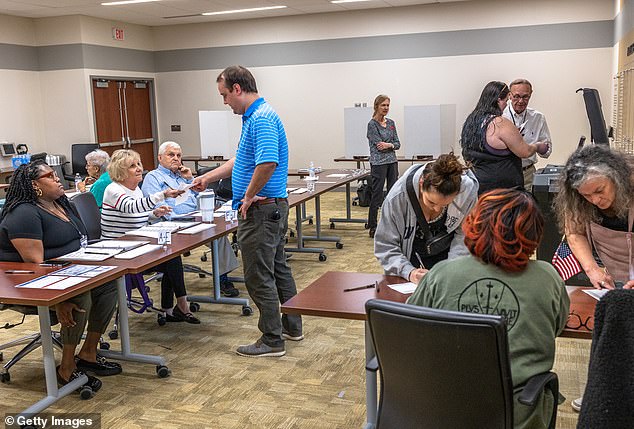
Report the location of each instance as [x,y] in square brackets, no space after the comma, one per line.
[300,239]
[124,330]
[319,237]
[216,298]
[348,218]
[370,382]
[48,358]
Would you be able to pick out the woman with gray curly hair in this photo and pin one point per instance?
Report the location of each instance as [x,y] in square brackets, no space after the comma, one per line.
[595,210]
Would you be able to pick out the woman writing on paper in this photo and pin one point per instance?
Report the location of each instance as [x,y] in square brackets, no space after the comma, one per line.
[39,223]
[125,209]
[499,277]
[492,144]
[421,217]
[595,208]
[383,140]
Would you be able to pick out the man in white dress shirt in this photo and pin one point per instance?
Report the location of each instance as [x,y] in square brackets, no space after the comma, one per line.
[530,122]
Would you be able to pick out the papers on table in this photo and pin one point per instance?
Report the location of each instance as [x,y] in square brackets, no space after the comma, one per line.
[83,270]
[152,231]
[94,255]
[596,293]
[338,175]
[198,228]
[404,288]
[299,191]
[116,244]
[179,216]
[147,248]
[66,277]
[311,179]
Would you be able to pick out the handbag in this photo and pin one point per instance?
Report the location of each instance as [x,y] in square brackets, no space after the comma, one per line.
[434,244]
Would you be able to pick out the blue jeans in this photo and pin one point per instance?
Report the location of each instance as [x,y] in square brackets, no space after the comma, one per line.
[267,275]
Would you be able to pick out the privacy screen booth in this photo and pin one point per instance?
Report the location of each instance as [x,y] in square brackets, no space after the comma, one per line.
[545,182]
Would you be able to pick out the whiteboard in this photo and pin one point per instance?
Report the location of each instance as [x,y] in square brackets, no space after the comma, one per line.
[429,130]
[355,124]
[219,132]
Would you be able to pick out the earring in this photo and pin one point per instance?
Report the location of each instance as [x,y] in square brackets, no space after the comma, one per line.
[38,192]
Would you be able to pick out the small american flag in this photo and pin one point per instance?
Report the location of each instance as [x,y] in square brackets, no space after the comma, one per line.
[565,262]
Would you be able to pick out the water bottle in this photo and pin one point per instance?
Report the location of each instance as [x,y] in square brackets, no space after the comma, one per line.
[311,171]
[206,204]
[77,182]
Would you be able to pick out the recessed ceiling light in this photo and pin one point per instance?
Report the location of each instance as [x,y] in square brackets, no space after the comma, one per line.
[117,3]
[253,9]
[347,1]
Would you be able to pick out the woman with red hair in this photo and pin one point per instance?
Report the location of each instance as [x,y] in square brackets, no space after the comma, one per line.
[502,232]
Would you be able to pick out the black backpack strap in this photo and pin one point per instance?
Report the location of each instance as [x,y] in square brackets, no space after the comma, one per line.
[413,200]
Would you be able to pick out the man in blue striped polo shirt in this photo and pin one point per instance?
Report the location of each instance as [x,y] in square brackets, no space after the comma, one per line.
[258,175]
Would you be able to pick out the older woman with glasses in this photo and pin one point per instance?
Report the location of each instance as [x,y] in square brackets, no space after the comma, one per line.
[39,223]
[98,178]
[493,145]
[500,278]
[125,209]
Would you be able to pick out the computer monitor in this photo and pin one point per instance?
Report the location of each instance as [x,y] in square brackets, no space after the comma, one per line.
[598,131]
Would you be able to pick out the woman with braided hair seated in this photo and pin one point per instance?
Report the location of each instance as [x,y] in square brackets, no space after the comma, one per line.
[39,223]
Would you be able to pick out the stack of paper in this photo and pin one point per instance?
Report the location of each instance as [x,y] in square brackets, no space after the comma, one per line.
[90,255]
[138,251]
[152,231]
[116,244]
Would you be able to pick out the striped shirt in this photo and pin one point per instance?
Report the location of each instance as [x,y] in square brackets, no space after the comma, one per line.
[263,140]
[125,209]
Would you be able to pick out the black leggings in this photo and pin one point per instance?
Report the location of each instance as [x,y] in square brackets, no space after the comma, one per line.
[173,281]
[380,173]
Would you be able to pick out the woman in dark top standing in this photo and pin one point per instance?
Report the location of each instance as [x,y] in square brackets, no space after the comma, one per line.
[39,223]
[493,145]
[383,141]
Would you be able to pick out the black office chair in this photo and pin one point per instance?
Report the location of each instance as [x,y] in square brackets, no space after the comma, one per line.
[32,341]
[444,369]
[78,160]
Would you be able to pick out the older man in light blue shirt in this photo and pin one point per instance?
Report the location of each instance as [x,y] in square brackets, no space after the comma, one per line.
[172,173]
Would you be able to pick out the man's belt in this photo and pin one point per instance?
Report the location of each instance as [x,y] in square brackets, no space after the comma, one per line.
[268,201]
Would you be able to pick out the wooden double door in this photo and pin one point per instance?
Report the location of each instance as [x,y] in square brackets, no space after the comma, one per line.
[124,117]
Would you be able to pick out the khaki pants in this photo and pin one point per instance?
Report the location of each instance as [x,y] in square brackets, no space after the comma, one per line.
[529,172]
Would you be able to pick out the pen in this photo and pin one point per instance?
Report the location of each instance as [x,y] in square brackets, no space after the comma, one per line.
[360,287]
[420,261]
[19,272]
[168,186]
[96,253]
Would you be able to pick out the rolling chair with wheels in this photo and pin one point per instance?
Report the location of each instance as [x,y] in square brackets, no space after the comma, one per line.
[78,159]
[446,369]
[33,341]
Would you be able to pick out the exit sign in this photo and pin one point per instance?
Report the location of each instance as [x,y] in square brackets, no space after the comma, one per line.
[117,33]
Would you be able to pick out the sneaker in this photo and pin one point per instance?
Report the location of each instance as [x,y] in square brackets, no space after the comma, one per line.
[259,349]
[576,404]
[228,289]
[100,367]
[291,337]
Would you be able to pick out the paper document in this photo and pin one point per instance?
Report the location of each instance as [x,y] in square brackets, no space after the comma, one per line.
[311,179]
[185,195]
[116,244]
[178,216]
[83,270]
[196,229]
[87,254]
[39,283]
[152,231]
[65,282]
[138,251]
[299,191]
[338,175]
[290,189]
[404,288]
[596,293]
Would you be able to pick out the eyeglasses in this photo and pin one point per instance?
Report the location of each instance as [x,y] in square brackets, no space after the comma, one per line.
[50,175]
[517,97]
[575,322]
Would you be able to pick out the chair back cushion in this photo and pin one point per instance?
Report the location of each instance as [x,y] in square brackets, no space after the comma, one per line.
[89,213]
[440,369]
[78,154]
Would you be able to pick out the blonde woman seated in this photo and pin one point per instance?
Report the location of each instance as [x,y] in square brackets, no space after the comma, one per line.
[502,232]
[125,209]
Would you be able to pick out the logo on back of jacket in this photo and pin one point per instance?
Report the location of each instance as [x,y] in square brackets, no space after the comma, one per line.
[490,296]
